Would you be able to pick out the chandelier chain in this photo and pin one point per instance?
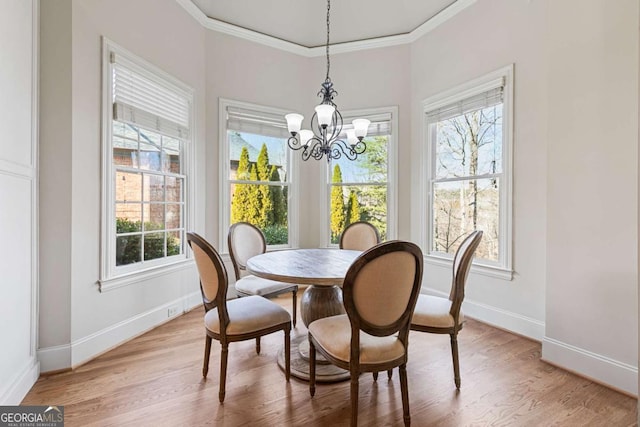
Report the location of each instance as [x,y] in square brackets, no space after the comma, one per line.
[328,60]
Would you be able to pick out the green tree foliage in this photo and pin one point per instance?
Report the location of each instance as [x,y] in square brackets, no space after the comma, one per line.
[261,205]
[277,199]
[252,207]
[265,215]
[338,216]
[353,209]
[242,192]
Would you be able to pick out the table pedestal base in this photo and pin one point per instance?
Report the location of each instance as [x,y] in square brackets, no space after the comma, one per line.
[325,372]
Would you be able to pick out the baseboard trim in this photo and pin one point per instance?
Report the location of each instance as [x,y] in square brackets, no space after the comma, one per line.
[601,369]
[22,382]
[55,358]
[503,319]
[84,349]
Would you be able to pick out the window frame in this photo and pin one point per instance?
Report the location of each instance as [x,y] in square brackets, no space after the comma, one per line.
[503,268]
[224,208]
[392,176]
[112,276]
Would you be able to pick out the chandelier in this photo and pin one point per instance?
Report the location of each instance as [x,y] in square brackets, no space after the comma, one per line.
[326,125]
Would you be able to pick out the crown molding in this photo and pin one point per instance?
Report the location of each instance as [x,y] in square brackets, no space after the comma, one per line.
[310,52]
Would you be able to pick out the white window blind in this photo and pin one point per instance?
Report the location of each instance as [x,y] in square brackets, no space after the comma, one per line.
[145,102]
[481,100]
[256,122]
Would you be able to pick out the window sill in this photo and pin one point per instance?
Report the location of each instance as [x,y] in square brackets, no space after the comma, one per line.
[483,269]
[139,276]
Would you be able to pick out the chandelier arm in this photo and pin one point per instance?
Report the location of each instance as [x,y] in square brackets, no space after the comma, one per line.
[294,143]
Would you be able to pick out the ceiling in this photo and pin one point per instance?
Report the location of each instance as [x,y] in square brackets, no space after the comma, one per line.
[303,22]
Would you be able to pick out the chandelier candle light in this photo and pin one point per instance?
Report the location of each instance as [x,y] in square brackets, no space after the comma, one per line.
[327,126]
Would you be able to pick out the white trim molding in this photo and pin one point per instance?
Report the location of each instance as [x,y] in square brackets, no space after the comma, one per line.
[293,176]
[503,77]
[596,367]
[392,176]
[494,316]
[111,275]
[86,348]
[314,51]
[17,388]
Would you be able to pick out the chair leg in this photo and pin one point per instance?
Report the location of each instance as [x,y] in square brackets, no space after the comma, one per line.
[390,374]
[375,376]
[312,369]
[287,354]
[223,371]
[295,303]
[258,345]
[207,352]
[456,365]
[355,383]
[404,387]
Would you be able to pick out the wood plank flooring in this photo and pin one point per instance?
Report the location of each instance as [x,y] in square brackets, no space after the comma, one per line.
[156,380]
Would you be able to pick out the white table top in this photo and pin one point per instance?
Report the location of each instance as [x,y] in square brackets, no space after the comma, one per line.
[325,267]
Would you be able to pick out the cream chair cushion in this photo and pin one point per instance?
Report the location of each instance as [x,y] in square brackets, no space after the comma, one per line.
[434,312]
[257,286]
[359,237]
[248,315]
[334,334]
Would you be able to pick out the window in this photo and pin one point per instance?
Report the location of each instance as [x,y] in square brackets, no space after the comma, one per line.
[257,175]
[468,134]
[147,132]
[364,189]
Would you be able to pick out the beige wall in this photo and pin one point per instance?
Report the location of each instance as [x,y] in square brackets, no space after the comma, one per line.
[485,37]
[575,174]
[592,273]
[88,322]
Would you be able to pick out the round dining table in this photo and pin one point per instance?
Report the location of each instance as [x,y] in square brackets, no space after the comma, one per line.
[324,270]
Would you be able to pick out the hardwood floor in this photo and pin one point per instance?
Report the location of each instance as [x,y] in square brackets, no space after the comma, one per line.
[156,380]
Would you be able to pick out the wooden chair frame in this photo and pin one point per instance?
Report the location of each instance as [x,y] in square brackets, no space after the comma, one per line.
[400,326]
[220,302]
[237,267]
[461,267]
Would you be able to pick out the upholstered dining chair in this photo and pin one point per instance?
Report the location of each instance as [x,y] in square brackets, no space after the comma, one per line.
[235,320]
[359,236]
[246,240]
[380,292]
[443,315]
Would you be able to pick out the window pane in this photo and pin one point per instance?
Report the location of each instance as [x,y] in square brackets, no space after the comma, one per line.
[125,152]
[371,166]
[128,187]
[174,216]
[128,217]
[470,144]
[265,206]
[153,190]
[124,129]
[173,189]
[174,243]
[170,155]
[257,157]
[351,203]
[127,249]
[153,216]
[149,157]
[463,206]
[153,246]
[149,137]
